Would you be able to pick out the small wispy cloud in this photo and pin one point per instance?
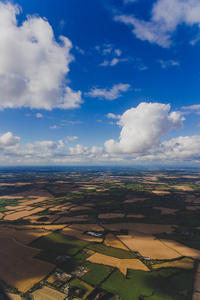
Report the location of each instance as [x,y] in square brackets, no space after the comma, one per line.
[113,116]
[108,94]
[168,63]
[39,115]
[71,139]
[54,127]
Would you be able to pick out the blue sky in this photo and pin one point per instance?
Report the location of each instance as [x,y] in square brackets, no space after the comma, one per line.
[100,82]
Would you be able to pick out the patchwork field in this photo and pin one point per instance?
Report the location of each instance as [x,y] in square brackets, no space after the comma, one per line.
[148,223]
[22,214]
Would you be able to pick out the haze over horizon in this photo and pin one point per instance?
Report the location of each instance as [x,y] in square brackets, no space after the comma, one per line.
[97,83]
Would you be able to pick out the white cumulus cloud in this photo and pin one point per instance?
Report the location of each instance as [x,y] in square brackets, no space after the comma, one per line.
[109,94]
[142,128]
[33,66]
[8,139]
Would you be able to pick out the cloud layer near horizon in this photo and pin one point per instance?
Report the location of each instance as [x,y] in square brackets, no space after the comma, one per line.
[33,66]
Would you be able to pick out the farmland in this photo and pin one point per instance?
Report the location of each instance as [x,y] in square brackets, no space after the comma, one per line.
[109,233]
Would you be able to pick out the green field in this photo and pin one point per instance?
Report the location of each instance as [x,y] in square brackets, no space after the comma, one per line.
[80,284]
[138,284]
[59,243]
[182,281]
[111,251]
[96,274]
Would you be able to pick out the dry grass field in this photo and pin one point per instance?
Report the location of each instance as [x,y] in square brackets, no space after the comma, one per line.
[14,297]
[77,208]
[166,211]
[1,215]
[184,188]
[46,293]
[121,264]
[132,200]
[112,241]
[46,227]
[87,227]
[110,216]
[22,214]
[79,234]
[64,220]
[135,216]
[183,250]
[184,263]
[52,278]
[197,280]
[18,267]
[148,246]
[24,236]
[160,193]
[140,227]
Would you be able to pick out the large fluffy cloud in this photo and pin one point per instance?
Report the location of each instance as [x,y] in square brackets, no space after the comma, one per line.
[8,140]
[142,128]
[166,16]
[33,66]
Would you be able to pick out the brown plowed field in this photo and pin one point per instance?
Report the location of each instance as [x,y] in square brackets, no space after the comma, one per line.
[18,267]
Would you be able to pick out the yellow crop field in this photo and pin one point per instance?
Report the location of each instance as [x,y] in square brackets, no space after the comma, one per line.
[47,227]
[121,264]
[14,297]
[140,227]
[182,249]
[22,214]
[184,188]
[135,216]
[18,267]
[87,227]
[48,294]
[148,246]
[111,240]
[159,192]
[184,263]
[110,216]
